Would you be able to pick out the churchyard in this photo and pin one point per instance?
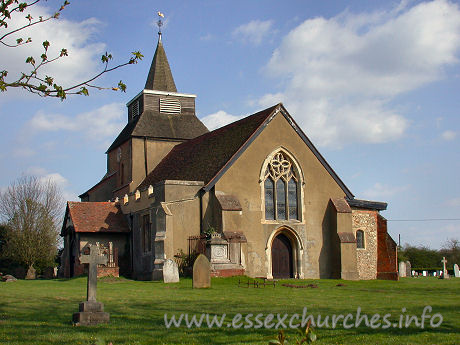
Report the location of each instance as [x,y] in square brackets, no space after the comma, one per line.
[40,311]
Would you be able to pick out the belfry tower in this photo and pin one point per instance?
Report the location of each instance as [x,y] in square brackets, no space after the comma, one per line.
[159,118]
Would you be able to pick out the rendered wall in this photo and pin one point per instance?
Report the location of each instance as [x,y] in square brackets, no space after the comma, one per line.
[314,229]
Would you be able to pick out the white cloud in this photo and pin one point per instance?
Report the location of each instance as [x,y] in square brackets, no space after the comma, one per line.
[379,191]
[448,135]
[339,75]
[219,119]
[83,59]
[98,124]
[254,31]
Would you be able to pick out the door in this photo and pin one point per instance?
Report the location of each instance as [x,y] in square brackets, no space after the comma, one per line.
[281,257]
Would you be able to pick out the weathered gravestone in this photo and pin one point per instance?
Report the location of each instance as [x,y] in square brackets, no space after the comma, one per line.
[402,269]
[31,273]
[91,312]
[408,269]
[170,272]
[445,274]
[456,271]
[201,272]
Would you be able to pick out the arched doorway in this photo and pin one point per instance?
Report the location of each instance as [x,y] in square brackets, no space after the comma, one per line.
[282,259]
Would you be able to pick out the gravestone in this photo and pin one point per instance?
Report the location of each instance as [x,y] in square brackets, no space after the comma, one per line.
[424,273]
[201,272]
[91,312]
[402,269]
[31,273]
[456,271]
[170,272]
[445,274]
[408,269]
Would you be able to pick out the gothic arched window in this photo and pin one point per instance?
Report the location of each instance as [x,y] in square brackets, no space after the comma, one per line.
[281,189]
[360,239]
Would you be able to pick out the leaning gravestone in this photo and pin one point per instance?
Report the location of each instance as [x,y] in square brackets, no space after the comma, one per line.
[456,271]
[201,272]
[170,272]
[408,269]
[402,269]
[91,312]
[31,273]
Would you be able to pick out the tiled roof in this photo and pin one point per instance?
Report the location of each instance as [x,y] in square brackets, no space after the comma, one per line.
[152,124]
[160,77]
[202,158]
[97,217]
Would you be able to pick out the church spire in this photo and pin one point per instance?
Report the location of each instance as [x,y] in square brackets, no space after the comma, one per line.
[160,77]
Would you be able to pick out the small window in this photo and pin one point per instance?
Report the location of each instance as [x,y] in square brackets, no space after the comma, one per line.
[146,234]
[360,239]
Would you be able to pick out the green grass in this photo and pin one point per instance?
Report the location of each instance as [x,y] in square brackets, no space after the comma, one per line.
[40,312]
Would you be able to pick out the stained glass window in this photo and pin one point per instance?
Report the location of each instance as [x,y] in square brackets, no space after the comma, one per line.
[281,199]
[292,199]
[283,204]
[269,199]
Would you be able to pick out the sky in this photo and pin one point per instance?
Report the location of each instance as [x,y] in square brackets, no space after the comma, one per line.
[374,84]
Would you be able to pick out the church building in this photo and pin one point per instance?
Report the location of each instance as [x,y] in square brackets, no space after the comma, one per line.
[255,196]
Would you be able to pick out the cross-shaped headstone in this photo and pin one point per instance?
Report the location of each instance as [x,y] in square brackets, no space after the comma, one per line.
[444,270]
[93,259]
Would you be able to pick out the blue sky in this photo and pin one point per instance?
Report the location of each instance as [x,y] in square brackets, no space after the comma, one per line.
[374,84]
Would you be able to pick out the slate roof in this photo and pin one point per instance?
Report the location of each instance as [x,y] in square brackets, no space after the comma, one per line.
[368,204]
[96,217]
[160,77]
[202,158]
[152,124]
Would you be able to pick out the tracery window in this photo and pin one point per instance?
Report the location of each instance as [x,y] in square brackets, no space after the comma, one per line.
[360,239]
[281,189]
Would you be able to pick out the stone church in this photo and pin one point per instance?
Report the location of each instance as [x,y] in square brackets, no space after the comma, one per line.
[255,196]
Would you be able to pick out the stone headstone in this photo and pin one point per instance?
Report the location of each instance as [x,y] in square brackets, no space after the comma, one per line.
[424,273]
[91,312]
[170,272]
[201,272]
[456,271]
[8,278]
[31,273]
[408,269]
[402,269]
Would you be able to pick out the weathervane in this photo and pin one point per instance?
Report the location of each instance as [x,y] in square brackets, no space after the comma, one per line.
[160,22]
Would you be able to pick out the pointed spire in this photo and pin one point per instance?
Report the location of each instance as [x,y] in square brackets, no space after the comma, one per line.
[160,77]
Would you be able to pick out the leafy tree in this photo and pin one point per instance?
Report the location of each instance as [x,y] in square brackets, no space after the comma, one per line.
[34,81]
[451,250]
[421,257]
[31,210]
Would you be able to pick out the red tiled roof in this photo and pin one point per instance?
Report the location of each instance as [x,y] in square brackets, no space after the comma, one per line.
[97,217]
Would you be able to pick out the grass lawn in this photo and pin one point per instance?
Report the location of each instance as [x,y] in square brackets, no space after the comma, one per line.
[40,312]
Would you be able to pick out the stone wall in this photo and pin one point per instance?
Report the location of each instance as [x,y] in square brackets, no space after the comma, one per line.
[366,221]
